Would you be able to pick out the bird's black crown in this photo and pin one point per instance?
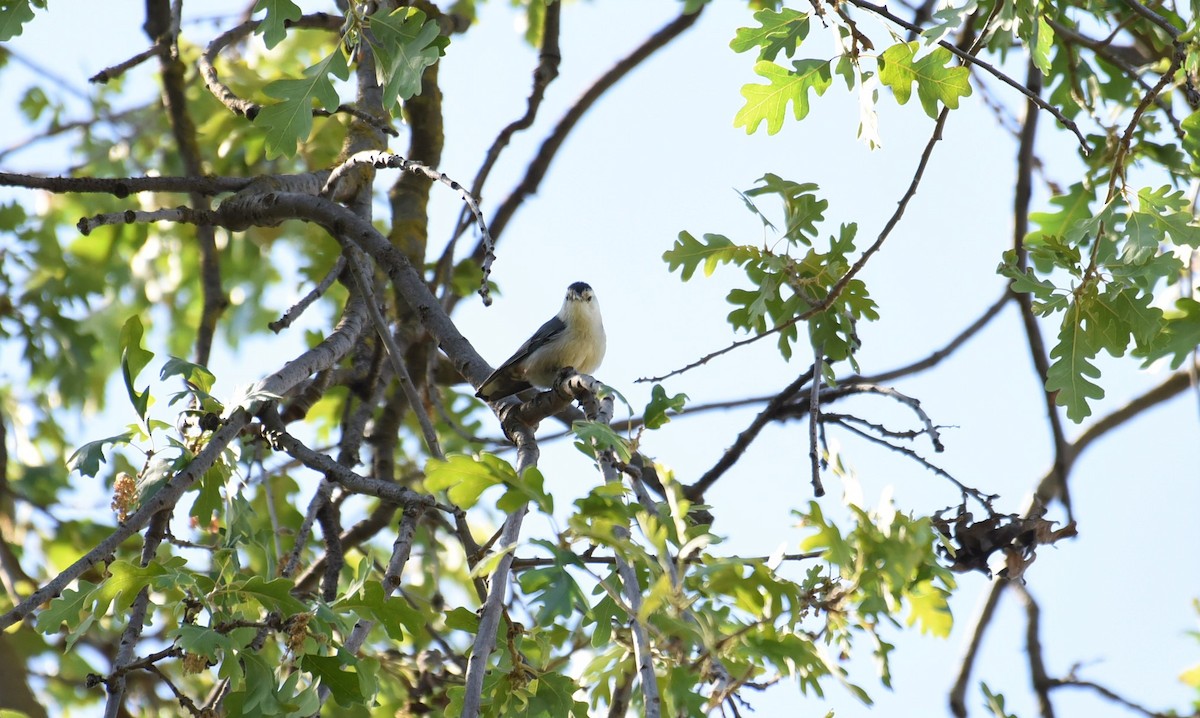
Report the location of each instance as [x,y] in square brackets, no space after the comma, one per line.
[579,288]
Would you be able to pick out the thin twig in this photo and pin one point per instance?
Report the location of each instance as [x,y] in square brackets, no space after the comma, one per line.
[940,354]
[1033,649]
[1103,48]
[401,551]
[395,355]
[385,160]
[212,80]
[111,73]
[1113,696]
[1154,17]
[814,421]
[910,453]
[298,308]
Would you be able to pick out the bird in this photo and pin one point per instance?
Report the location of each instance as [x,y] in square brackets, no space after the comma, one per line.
[572,338]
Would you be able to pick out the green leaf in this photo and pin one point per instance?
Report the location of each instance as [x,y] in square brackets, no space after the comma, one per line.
[1026,281]
[1142,236]
[405,43]
[273,595]
[1170,210]
[930,607]
[1191,138]
[1191,676]
[768,103]
[688,253]
[948,20]
[391,612]
[127,579]
[802,208]
[595,437]
[134,358]
[208,499]
[1040,48]
[1072,369]
[464,477]
[13,16]
[994,702]
[462,619]
[202,641]
[197,376]
[342,684]
[778,31]
[1180,335]
[827,537]
[1133,308]
[290,121]
[1073,207]
[556,590]
[898,69]
[655,415]
[752,305]
[279,12]
[72,609]
[87,458]
[553,694]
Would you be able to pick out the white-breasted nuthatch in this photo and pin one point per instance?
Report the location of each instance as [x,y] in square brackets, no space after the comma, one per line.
[573,338]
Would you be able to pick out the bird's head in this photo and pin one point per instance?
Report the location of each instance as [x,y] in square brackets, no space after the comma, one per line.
[580,292]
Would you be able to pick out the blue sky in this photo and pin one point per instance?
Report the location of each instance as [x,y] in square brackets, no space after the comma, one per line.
[659,155]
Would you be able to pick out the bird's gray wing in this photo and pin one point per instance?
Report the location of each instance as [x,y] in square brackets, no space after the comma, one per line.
[547,332]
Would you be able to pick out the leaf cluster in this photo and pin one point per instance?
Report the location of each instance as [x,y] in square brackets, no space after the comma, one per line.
[787,287]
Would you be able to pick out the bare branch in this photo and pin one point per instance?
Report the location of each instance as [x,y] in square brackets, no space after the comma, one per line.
[121,187]
[1033,648]
[394,355]
[814,407]
[298,308]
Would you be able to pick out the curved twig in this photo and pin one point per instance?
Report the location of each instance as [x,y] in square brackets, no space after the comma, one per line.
[549,149]
[545,73]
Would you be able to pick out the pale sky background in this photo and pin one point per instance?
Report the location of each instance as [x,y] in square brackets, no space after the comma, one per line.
[659,154]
